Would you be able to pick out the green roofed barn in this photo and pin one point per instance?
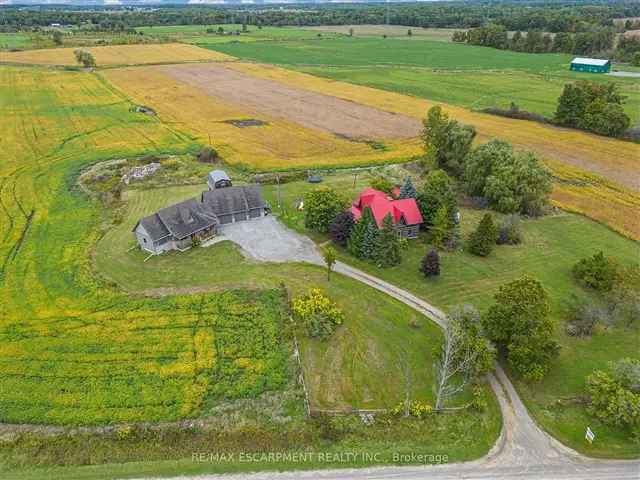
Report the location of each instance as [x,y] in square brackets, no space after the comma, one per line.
[592,65]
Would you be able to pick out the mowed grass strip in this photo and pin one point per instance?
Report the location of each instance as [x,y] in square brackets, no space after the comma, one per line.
[117,55]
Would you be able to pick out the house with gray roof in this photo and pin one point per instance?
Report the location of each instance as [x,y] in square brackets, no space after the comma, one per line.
[176,227]
[218,179]
[195,220]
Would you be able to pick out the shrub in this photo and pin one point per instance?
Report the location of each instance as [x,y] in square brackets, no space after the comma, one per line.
[483,238]
[597,272]
[321,205]
[518,322]
[479,400]
[317,313]
[382,184]
[510,232]
[340,228]
[430,265]
[585,317]
[612,397]
[207,154]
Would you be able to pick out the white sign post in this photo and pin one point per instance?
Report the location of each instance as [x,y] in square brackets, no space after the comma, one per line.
[589,435]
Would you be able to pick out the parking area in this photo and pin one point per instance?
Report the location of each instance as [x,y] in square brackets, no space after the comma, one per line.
[268,240]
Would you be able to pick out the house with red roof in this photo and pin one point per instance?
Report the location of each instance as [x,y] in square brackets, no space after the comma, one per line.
[404,212]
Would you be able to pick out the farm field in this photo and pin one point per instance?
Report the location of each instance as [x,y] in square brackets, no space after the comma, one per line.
[476,90]
[552,245]
[117,55]
[417,33]
[197,34]
[390,51]
[295,129]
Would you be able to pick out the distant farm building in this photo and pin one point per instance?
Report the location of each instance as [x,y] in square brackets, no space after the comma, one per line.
[405,213]
[592,65]
[218,179]
[193,221]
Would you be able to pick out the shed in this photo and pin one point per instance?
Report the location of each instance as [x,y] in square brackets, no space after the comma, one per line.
[218,179]
[592,65]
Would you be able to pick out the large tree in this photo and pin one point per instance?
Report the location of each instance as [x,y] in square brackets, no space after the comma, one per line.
[437,191]
[510,181]
[446,141]
[321,205]
[518,322]
[340,228]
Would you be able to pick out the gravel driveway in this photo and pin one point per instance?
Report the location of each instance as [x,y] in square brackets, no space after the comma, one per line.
[267,240]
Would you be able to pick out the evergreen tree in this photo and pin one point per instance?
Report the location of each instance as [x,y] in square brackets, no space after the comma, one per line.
[408,190]
[387,251]
[482,240]
[370,236]
[430,265]
[441,228]
[356,242]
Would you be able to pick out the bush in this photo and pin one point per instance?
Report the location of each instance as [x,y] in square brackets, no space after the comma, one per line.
[430,265]
[510,232]
[321,206]
[483,238]
[317,313]
[382,184]
[340,228]
[597,272]
[613,398]
[518,322]
[207,154]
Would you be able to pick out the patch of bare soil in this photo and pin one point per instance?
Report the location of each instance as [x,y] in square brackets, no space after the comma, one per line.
[307,108]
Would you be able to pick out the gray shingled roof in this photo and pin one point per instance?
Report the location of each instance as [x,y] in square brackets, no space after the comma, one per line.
[217,175]
[154,227]
[229,200]
[186,218]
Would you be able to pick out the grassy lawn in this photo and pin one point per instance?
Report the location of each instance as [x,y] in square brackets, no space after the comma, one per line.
[552,245]
[376,332]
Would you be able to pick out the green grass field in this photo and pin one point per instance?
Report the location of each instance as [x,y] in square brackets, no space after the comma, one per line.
[417,33]
[459,74]
[552,245]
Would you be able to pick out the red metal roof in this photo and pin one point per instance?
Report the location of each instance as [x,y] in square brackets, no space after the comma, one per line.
[381,205]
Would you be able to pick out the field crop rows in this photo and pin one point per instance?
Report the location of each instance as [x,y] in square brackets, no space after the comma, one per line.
[281,143]
[72,349]
[117,55]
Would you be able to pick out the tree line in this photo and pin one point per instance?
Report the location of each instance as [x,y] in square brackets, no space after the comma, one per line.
[549,15]
[598,40]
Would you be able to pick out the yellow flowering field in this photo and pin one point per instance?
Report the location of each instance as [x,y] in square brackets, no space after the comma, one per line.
[74,350]
[117,55]
[278,144]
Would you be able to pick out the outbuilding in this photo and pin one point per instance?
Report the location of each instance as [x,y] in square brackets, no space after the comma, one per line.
[218,179]
[592,65]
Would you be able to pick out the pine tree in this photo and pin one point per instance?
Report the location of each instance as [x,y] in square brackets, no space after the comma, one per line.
[370,236]
[340,228]
[430,265]
[408,190]
[356,243]
[387,252]
[482,240]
